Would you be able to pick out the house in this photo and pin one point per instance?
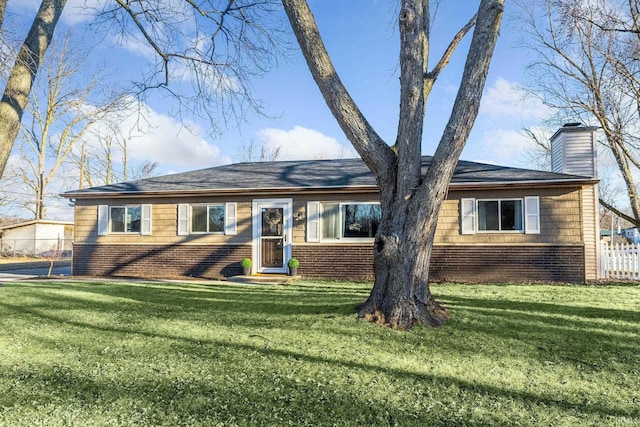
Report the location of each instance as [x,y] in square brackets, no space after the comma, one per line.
[37,237]
[632,235]
[497,223]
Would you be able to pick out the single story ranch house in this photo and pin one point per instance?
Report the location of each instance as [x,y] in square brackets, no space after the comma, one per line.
[497,223]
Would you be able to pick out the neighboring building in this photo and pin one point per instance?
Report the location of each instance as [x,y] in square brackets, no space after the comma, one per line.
[632,235]
[37,237]
[497,223]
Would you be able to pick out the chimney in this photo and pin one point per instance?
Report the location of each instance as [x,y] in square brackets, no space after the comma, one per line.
[573,150]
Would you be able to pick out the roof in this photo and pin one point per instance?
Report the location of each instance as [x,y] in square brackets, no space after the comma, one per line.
[35,221]
[299,175]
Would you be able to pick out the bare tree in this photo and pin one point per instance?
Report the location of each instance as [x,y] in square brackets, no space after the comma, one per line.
[16,94]
[252,152]
[212,46]
[59,116]
[410,201]
[107,160]
[586,67]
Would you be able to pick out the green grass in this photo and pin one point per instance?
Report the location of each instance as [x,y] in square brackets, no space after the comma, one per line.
[118,353]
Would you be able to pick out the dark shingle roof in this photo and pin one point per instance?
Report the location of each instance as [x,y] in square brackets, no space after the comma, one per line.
[310,174]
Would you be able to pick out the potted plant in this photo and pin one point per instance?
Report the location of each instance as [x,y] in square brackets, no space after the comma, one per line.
[293,266]
[246,264]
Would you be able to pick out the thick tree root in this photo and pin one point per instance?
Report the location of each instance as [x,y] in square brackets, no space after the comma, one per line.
[406,314]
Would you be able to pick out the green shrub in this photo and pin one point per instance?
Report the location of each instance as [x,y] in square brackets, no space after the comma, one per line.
[294,263]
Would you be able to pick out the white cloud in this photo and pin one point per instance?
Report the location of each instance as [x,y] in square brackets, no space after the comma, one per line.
[302,143]
[138,47]
[504,100]
[159,137]
[504,147]
[80,11]
[156,137]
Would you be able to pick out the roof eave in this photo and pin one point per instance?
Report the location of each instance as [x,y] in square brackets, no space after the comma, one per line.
[336,189]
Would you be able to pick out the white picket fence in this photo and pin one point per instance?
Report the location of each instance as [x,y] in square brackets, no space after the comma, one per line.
[620,261]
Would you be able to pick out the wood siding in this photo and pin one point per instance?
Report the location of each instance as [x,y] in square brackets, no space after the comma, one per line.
[560,218]
[564,226]
[591,232]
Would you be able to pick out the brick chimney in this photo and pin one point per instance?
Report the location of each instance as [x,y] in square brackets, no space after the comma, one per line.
[573,150]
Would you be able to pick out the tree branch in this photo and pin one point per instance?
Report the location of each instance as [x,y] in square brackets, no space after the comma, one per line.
[432,75]
[376,154]
[467,103]
[620,213]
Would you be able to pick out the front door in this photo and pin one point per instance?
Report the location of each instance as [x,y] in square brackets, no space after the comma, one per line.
[272,234]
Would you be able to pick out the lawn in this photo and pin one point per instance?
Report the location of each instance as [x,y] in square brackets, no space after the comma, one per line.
[133,353]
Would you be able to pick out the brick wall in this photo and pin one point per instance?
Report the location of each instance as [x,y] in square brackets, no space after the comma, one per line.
[158,261]
[335,262]
[508,263]
[449,263]
[454,263]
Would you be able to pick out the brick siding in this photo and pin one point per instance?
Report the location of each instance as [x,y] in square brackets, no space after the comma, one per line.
[454,263]
[467,263]
[508,263]
[159,261]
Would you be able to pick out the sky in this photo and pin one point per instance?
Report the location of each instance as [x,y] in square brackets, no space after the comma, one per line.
[361,37]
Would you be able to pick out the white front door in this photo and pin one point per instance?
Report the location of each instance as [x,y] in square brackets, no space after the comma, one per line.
[272,234]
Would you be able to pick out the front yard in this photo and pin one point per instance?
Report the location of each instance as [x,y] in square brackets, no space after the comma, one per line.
[133,353]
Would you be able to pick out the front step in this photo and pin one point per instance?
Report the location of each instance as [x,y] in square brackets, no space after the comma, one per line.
[264,279]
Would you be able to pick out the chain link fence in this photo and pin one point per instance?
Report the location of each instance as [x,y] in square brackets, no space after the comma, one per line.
[38,248]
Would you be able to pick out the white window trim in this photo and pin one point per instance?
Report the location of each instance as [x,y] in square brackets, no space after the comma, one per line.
[499,200]
[341,239]
[530,215]
[208,205]
[185,212]
[126,207]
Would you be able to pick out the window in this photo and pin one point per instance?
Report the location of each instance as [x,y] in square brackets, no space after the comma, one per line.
[342,220]
[207,219]
[124,219]
[212,219]
[500,215]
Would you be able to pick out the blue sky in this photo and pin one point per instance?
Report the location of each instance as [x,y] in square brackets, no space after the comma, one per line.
[361,37]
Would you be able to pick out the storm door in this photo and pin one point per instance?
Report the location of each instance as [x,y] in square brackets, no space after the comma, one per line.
[272,235]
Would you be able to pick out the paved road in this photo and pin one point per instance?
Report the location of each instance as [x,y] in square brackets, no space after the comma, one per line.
[24,271]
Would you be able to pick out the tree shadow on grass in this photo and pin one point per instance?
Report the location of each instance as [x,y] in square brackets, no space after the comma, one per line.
[590,337]
[229,401]
[556,326]
[258,300]
[266,393]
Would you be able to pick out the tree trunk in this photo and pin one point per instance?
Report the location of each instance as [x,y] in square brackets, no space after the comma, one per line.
[20,81]
[401,297]
[410,201]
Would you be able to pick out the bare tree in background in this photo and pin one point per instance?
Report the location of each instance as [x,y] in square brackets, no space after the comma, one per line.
[206,52]
[60,113]
[20,81]
[586,66]
[106,161]
[253,152]
[410,200]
